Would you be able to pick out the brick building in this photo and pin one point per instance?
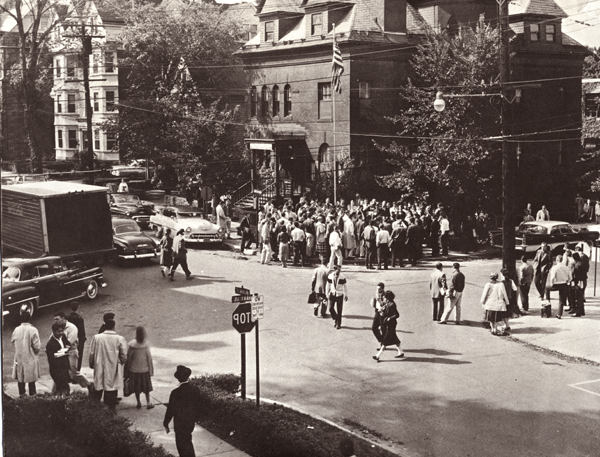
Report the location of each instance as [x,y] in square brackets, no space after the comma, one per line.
[289,104]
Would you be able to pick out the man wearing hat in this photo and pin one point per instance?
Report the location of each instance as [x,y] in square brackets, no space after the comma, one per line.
[454,295]
[183,408]
[179,256]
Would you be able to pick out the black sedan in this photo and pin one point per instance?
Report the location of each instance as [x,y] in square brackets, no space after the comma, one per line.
[29,284]
[130,205]
[130,242]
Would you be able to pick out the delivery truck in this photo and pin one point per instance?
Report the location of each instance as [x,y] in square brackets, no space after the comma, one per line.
[56,218]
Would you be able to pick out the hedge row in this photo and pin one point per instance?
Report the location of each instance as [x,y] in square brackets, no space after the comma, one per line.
[271,430]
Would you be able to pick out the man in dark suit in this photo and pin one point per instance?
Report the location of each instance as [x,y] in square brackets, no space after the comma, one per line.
[184,407]
[76,319]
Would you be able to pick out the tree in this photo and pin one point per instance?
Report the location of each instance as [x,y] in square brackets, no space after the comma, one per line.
[35,22]
[445,156]
[179,62]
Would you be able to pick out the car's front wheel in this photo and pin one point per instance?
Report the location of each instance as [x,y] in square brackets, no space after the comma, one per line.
[92,289]
[29,306]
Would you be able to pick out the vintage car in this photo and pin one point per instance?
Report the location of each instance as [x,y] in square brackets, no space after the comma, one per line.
[29,284]
[130,205]
[130,242]
[196,228]
[530,235]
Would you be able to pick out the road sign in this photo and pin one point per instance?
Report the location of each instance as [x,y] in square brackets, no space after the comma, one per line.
[242,291]
[241,318]
[258,307]
[240,298]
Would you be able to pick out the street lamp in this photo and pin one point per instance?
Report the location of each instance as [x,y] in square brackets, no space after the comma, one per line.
[439,104]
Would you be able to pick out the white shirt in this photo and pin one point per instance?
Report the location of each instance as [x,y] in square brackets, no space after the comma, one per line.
[383,237]
[444,225]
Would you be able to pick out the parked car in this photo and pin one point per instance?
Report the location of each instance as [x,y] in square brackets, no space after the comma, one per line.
[530,235]
[130,205]
[130,242]
[29,284]
[196,228]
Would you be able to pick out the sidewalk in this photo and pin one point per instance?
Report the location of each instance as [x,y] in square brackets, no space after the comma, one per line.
[149,421]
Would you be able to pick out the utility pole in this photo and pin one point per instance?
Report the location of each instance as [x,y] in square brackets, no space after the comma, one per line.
[80,31]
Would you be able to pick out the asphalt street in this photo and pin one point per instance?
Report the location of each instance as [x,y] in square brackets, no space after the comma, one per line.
[458,392]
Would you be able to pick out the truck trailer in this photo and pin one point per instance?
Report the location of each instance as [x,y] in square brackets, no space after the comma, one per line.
[56,218]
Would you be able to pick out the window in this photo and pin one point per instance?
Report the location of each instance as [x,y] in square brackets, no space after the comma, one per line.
[324,100]
[111,141]
[59,139]
[96,103]
[85,140]
[71,66]
[95,63]
[109,66]
[550,33]
[268,31]
[110,100]
[71,103]
[97,140]
[72,139]
[253,101]
[364,90]
[253,31]
[275,101]
[287,100]
[534,32]
[316,24]
[57,67]
[264,95]
[58,104]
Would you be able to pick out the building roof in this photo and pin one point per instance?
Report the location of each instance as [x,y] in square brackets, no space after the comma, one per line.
[52,188]
[286,6]
[536,7]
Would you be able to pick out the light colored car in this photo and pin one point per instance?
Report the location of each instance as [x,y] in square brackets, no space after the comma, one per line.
[196,228]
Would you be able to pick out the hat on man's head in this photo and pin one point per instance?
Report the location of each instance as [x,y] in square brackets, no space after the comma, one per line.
[108,316]
[182,373]
[180,232]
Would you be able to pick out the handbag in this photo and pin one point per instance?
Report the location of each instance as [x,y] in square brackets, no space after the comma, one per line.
[312,298]
[127,388]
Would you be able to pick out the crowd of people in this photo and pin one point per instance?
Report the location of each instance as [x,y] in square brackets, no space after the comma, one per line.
[383,233]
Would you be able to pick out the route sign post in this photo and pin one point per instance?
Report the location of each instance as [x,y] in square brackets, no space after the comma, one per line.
[258,307]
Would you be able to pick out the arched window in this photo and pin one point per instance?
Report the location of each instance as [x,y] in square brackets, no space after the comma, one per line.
[453,27]
[325,154]
[253,101]
[264,109]
[287,100]
[275,95]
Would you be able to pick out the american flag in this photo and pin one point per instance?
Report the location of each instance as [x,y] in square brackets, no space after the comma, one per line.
[337,68]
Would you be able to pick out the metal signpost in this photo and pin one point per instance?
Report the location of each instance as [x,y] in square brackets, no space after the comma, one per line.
[258,312]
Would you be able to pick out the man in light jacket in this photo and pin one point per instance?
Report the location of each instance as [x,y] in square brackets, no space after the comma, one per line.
[559,278]
[26,369]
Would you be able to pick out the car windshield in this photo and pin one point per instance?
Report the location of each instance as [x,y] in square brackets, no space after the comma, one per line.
[565,229]
[126,199]
[127,227]
[186,215]
[11,274]
[533,229]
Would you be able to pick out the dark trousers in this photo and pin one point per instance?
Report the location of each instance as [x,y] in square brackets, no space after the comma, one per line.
[183,440]
[438,307]
[397,253]
[184,266]
[369,254]
[563,292]
[246,240]
[110,397]
[376,326]
[578,301]
[80,350]
[299,252]
[435,246]
[31,386]
[413,253]
[336,307]
[445,239]
[383,253]
[524,293]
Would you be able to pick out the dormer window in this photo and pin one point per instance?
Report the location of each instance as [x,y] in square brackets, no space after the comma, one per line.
[550,33]
[316,24]
[534,32]
[268,31]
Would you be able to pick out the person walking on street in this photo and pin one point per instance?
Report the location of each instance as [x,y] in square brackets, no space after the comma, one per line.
[577,286]
[77,320]
[246,234]
[382,241]
[139,368]
[542,263]
[454,295]
[389,321]
[58,359]
[335,244]
[179,256]
[378,303]
[26,368]
[494,302]
[525,274]
[166,253]
[106,317]
[319,287]
[108,354]
[559,279]
[266,234]
[369,237]
[71,332]
[337,293]
[438,288]
[184,408]
[283,240]
[299,240]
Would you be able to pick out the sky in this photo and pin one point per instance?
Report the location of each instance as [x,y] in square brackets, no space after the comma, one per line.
[583,23]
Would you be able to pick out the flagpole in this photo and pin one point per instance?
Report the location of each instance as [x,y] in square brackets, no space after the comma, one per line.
[335,167]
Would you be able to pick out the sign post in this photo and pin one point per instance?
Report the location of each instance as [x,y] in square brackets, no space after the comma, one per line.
[242,322]
[258,312]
